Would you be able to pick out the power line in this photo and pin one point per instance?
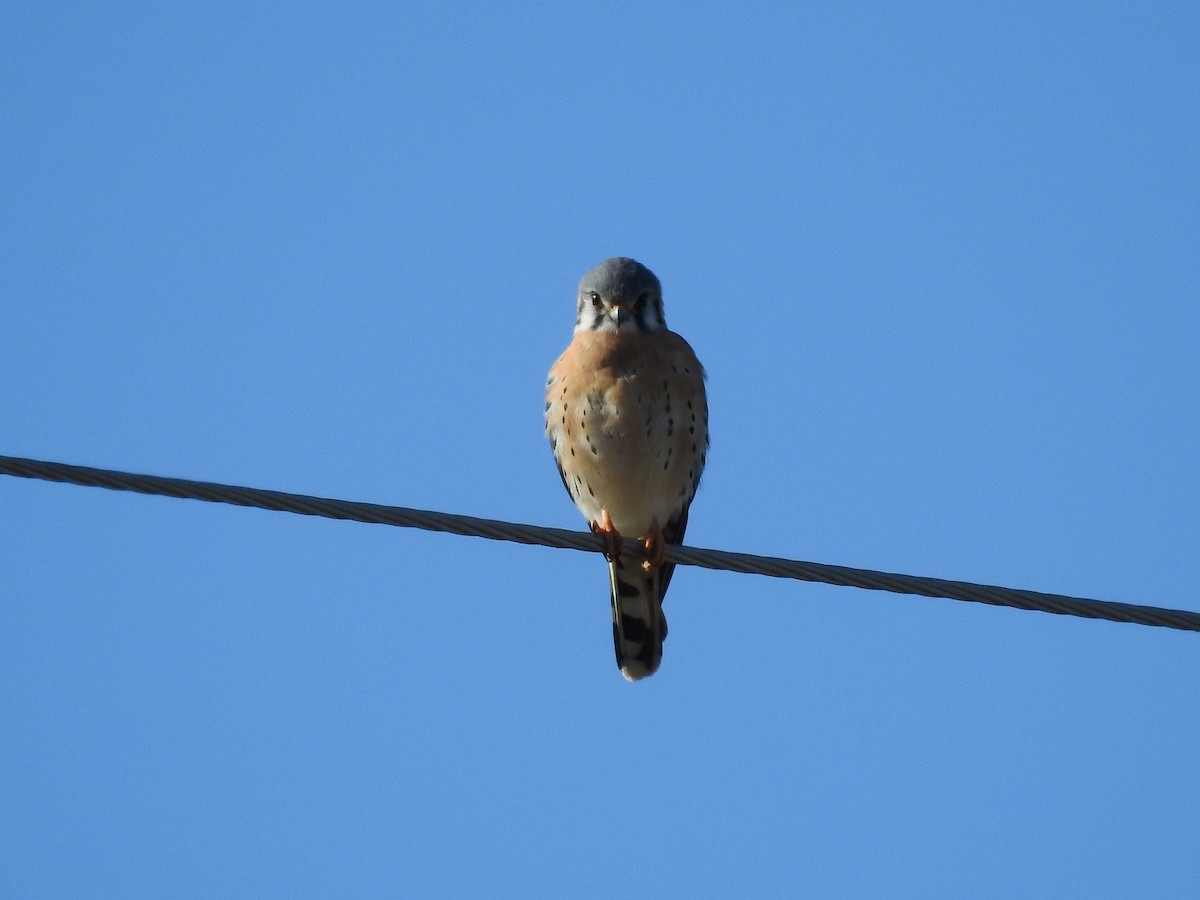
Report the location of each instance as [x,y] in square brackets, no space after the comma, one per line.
[746,563]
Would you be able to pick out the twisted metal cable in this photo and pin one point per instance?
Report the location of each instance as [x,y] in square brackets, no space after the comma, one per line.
[375,513]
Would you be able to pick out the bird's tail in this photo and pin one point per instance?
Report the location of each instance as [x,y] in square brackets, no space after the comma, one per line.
[639,626]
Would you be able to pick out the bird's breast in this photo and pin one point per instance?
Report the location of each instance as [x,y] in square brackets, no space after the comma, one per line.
[628,421]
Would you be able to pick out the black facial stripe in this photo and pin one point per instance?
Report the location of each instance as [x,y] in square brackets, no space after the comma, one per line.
[646,316]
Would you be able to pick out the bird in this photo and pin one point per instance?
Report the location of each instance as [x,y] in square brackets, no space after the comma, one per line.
[627,419]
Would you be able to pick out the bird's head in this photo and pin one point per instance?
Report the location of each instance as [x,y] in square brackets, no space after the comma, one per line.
[620,294]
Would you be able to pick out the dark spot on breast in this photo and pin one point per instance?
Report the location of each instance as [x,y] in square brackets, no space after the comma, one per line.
[667,464]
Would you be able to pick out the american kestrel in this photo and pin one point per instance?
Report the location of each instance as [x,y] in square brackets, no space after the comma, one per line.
[628,423]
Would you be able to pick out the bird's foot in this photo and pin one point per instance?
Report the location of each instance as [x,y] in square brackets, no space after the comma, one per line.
[612,537]
[656,547]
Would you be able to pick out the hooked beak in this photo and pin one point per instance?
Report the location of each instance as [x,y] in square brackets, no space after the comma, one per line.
[619,314]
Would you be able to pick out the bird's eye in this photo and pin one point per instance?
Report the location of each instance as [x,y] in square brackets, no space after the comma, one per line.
[640,303]
[595,299]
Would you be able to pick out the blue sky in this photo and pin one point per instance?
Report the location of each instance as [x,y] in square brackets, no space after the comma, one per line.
[940,263]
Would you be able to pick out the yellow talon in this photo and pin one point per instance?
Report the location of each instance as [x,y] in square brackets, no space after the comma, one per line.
[656,548]
[612,537]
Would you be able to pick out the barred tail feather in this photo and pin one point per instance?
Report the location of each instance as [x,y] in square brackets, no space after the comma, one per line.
[639,626]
